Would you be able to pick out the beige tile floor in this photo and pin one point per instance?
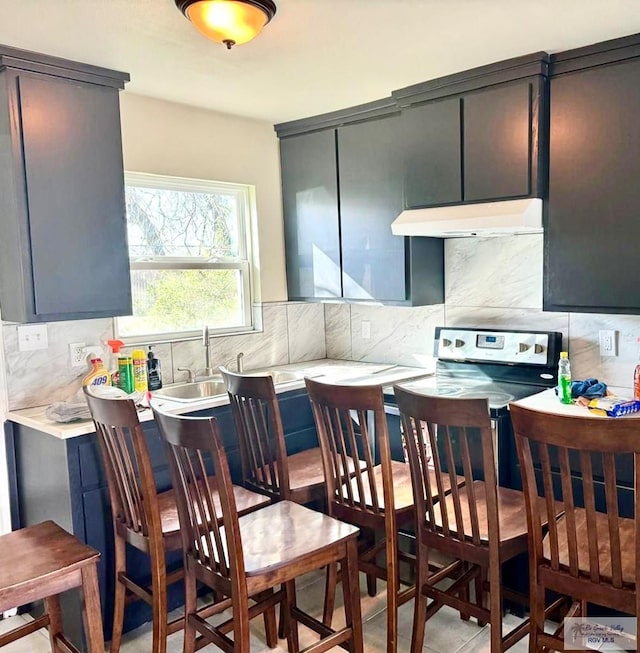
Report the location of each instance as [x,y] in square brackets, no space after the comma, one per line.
[445,632]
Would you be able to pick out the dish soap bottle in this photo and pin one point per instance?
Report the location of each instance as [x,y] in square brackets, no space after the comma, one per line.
[154,374]
[98,376]
[564,378]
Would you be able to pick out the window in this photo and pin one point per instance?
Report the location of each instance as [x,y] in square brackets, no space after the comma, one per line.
[189,250]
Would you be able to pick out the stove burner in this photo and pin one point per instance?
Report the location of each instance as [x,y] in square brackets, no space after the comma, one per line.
[496,399]
[444,390]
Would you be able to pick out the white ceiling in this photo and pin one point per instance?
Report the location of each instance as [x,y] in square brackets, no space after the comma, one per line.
[315,55]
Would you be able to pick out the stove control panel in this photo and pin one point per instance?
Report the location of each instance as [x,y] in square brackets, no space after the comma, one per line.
[509,347]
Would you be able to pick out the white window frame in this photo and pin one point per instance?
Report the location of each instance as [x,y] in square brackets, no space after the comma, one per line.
[244,264]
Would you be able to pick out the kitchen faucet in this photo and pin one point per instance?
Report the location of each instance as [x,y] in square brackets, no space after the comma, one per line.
[239,363]
[191,375]
[208,370]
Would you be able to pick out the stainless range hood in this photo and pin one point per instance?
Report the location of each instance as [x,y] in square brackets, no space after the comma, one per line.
[466,220]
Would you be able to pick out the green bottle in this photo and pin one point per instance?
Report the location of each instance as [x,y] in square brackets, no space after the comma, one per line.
[125,368]
[564,378]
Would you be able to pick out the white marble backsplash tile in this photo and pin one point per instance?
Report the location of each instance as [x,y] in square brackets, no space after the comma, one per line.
[507,318]
[40,377]
[337,319]
[398,334]
[305,331]
[505,271]
[260,349]
[584,348]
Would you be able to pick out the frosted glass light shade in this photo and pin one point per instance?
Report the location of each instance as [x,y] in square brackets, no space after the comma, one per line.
[231,22]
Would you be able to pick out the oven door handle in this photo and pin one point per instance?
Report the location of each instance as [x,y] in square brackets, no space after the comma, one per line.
[392,409]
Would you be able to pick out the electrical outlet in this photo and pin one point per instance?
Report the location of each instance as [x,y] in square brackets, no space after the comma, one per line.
[32,337]
[366,329]
[77,354]
[608,342]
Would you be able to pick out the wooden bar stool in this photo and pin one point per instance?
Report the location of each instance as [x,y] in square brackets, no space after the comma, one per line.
[251,562]
[142,517]
[591,552]
[266,465]
[479,524]
[39,563]
[377,498]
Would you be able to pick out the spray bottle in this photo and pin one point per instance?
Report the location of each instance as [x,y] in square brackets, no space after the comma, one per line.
[139,370]
[98,375]
[122,367]
[112,365]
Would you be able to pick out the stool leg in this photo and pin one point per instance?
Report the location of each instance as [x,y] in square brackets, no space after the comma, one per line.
[420,602]
[159,607]
[190,608]
[351,591]
[120,594]
[393,586]
[293,643]
[331,582]
[52,606]
[91,609]
[270,623]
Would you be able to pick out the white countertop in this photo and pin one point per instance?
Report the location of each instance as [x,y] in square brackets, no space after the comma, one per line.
[335,371]
[547,401]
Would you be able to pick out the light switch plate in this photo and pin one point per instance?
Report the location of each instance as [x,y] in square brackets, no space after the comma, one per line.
[608,346]
[32,337]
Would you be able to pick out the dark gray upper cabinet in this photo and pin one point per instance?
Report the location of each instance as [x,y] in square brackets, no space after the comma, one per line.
[311,222]
[375,263]
[342,188]
[432,161]
[370,199]
[476,136]
[63,254]
[497,142]
[592,228]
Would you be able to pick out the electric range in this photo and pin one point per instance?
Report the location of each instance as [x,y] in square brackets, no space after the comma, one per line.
[501,365]
[498,364]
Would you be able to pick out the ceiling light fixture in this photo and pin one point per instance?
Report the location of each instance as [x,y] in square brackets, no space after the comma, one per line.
[231,22]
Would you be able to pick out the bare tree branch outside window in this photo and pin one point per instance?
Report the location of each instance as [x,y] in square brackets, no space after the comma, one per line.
[189,258]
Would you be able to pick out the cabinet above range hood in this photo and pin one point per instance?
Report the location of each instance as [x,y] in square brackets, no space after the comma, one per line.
[503,218]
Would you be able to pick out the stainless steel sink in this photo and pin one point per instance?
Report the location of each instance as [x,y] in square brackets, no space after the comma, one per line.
[214,386]
[211,387]
[283,376]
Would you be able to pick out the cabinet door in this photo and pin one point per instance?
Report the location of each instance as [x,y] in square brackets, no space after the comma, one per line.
[497,142]
[371,197]
[76,212]
[592,233]
[310,205]
[431,144]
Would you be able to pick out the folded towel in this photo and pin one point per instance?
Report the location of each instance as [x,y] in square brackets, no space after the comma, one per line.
[590,388]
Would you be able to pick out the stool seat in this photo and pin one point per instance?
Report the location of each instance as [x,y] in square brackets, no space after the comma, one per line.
[40,562]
